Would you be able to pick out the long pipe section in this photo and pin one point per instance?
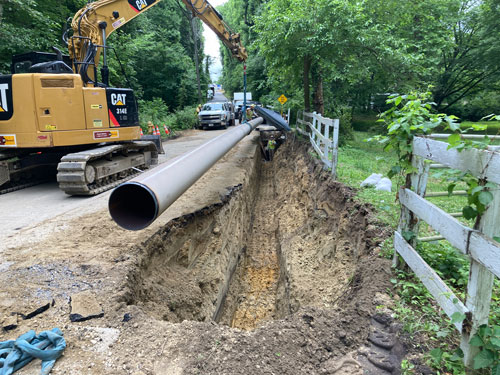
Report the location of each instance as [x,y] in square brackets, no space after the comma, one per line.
[137,203]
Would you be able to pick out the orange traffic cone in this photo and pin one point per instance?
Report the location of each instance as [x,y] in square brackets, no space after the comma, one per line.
[142,133]
[157,130]
[166,129]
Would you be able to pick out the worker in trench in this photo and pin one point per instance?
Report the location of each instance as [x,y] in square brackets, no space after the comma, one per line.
[270,148]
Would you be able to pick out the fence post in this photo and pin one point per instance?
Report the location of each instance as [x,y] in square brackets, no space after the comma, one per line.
[335,145]
[326,134]
[480,285]
[297,124]
[407,221]
[314,125]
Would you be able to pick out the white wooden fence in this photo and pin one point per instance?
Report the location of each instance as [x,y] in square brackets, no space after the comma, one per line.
[478,245]
[317,128]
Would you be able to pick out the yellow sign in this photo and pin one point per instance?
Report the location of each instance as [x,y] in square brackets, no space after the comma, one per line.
[95,106]
[8,140]
[50,127]
[282,99]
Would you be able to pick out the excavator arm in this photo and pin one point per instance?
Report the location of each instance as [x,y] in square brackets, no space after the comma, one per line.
[97,20]
[213,19]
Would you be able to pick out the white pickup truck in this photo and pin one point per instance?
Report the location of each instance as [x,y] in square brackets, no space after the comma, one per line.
[215,114]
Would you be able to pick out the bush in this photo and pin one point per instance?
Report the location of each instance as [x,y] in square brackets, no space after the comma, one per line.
[344,114]
[475,108]
[157,112]
[184,119]
[366,121]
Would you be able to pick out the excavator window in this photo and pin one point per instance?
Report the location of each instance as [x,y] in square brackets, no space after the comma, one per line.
[22,63]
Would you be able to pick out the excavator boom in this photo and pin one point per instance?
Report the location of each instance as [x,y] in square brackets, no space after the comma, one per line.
[97,20]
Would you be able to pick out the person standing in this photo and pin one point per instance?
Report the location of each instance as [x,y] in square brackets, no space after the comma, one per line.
[271,146]
[250,112]
[198,110]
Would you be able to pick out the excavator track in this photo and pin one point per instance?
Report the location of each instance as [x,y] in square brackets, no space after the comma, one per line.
[19,172]
[94,171]
[14,187]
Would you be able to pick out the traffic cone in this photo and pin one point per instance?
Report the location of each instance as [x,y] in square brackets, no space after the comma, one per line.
[166,129]
[142,133]
[158,130]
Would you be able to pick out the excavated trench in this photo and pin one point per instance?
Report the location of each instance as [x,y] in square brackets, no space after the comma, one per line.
[287,238]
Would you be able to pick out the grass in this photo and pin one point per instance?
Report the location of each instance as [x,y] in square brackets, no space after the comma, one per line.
[493,126]
[415,307]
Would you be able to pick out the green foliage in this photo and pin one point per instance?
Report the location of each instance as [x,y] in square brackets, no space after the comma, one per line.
[157,112]
[443,359]
[28,25]
[478,106]
[365,122]
[344,114]
[185,118]
[479,195]
[364,49]
[430,330]
[487,339]
[410,115]
[159,61]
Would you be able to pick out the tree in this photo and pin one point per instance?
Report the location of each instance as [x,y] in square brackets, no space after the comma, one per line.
[31,25]
[474,56]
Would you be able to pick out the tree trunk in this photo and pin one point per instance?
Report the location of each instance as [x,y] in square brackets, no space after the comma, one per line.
[307,70]
[319,102]
[196,58]
[207,66]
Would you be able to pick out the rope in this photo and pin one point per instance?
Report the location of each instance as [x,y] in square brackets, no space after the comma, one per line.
[47,346]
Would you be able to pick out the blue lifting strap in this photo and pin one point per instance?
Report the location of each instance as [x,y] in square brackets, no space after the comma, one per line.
[47,346]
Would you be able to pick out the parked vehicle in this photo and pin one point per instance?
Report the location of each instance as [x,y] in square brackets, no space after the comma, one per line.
[215,115]
[238,96]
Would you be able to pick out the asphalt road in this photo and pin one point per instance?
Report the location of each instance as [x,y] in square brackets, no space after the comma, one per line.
[219,97]
[27,208]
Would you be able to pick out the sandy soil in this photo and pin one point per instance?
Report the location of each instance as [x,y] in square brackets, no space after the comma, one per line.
[277,250]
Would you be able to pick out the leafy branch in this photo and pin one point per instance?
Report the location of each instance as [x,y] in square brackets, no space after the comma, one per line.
[410,116]
[479,194]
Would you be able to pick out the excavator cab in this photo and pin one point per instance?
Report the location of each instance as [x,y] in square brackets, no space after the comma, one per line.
[26,62]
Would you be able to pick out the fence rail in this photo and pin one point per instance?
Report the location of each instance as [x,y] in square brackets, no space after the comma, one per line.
[323,134]
[483,251]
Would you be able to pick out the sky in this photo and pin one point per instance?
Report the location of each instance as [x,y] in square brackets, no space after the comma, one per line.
[212,46]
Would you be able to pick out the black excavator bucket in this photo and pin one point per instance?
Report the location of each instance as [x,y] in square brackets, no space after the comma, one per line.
[272,118]
[156,139]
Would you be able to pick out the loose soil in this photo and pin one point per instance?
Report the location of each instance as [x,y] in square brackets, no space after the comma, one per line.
[260,268]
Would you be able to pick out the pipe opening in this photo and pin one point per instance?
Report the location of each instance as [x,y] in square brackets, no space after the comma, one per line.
[133,206]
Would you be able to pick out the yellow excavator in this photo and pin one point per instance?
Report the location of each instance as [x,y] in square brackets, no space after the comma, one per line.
[55,113]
